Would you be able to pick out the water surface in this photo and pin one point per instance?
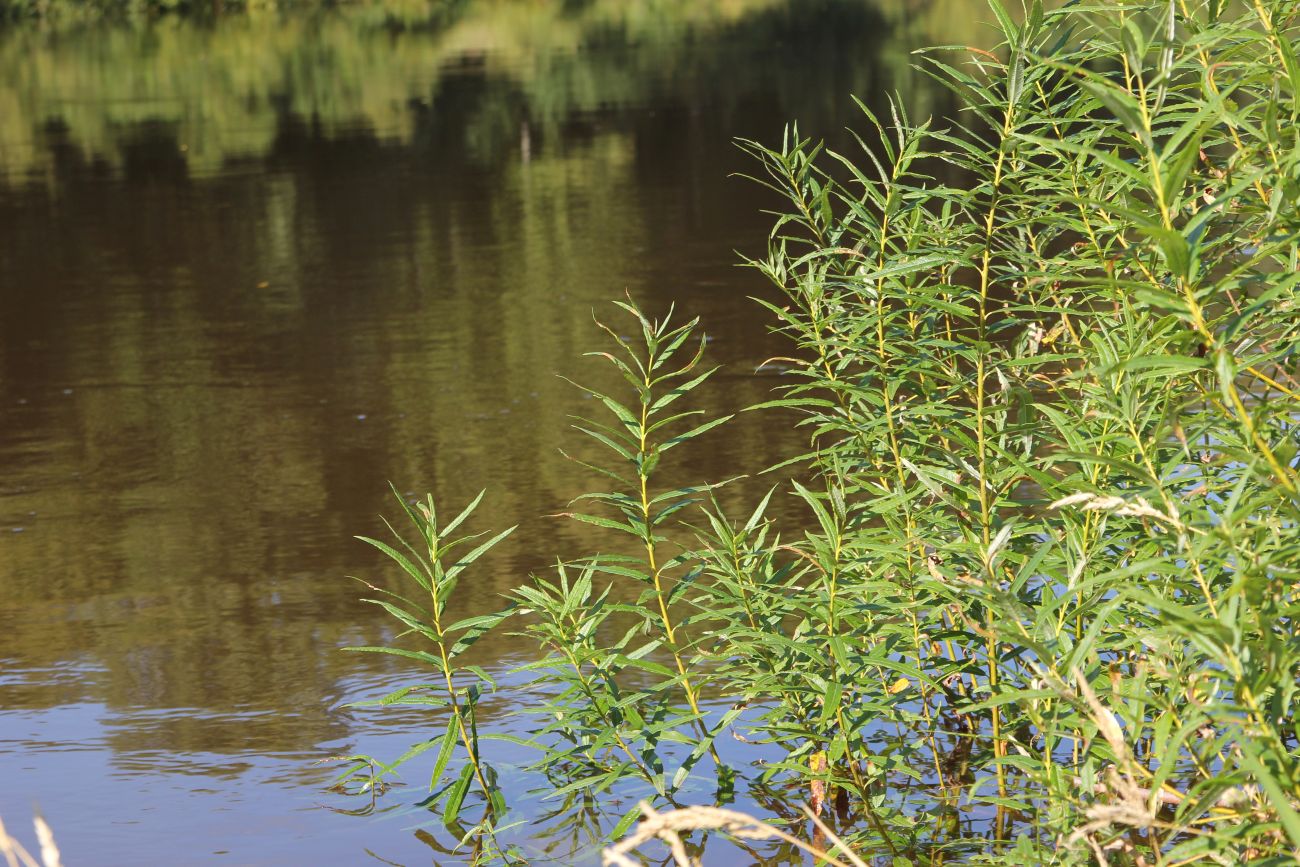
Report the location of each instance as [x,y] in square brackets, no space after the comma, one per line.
[252,269]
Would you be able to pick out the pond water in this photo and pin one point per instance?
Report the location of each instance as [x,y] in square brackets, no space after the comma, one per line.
[253,268]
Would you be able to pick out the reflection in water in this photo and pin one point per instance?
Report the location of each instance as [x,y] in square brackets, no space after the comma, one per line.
[175,97]
[250,270]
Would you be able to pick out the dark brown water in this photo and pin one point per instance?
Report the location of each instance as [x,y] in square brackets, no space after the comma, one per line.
[251,270]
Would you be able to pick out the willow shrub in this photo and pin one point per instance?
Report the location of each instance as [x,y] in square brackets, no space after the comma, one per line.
[1047,364]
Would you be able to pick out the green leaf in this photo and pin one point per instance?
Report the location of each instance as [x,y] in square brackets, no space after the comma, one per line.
[1119,102]
[680,390]
[598,521]
[459,519]
[1289,62]
[482,549]
[447,746]
[1008,25]
[1174,249]
[398,558]
[1225,366]
[417,655]
[456,795]
[694,432]
[473,629]
[620,829]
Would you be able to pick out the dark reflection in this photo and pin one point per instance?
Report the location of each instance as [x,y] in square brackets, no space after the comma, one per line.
[253,269]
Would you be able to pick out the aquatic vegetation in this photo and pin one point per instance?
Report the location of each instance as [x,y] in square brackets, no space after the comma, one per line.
[437,578]
[1043,609]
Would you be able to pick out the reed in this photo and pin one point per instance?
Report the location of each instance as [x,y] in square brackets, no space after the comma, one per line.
[1046,359]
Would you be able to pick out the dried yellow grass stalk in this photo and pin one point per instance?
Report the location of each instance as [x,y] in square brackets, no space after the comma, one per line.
[16,855]
[669,825]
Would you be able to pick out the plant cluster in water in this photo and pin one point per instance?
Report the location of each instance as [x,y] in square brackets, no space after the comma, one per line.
[1046,360]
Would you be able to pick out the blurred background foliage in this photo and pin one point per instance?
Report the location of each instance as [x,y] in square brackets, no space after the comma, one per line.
[223,85]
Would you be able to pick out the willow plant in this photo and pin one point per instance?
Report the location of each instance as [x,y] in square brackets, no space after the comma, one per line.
[1048,364]
[458,689]
[660,368]
[1047,357]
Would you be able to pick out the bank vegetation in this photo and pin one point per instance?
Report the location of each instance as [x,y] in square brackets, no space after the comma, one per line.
[1043,609]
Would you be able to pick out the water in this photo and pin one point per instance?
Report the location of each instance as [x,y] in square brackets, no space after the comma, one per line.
[253,268]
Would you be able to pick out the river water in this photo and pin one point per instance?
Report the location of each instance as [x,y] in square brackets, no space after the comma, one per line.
[253,268]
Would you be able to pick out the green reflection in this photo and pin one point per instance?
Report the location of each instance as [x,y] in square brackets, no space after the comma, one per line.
[222,91]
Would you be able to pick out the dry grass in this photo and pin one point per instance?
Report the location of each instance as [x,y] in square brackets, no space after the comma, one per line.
[669,825]
[17,856]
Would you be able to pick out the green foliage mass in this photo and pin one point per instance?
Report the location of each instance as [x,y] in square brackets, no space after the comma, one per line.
[1047,364]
